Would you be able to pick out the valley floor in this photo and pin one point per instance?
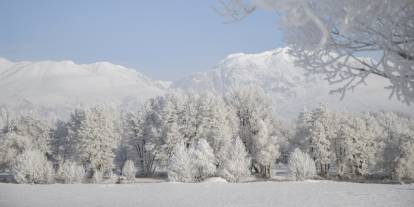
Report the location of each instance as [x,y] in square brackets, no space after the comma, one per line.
[283,194]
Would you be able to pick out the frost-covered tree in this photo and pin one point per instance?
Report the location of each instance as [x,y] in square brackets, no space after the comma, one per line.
[216,122]
[189,118]
[394,130]
[302,132]
[237,161]
[63,146]
[330,38]
[23,133]
[34,128]
[316,132]
[256,127]
[354,145]
[192,164]
[71,172]
[389,138]
[122,154]
[129,170]
[96,138]
[301,165]
[265,151]
[208,116]
[359,143]
[398,146]
[133,124]
[204,161]
[180,167]
[284,136]
[153,132]
[32,166]
[199,116]
[98,176]
[11,145]
[5,117]
[168,120]
[405,164]
[320,139]
[170,126]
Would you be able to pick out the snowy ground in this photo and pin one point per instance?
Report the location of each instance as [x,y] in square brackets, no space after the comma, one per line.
[284,194]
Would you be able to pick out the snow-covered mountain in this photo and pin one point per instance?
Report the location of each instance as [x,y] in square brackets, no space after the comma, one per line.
[291,90]
[65,84]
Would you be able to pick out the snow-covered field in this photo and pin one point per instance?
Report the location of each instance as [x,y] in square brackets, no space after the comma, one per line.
[283,194]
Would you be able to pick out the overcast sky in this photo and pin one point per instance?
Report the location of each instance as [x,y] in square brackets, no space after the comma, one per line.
[166,39]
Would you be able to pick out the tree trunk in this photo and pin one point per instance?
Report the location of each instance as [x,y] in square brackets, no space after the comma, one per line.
[265,171]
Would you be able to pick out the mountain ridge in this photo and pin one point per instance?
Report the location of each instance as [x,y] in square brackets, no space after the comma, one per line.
[275,72]
[66,84]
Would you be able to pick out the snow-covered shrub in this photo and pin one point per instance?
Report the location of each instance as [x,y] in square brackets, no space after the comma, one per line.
[180,168]
[129,170]
[71,172]
[110,177]
[301,165]
[236,163]
[193,164]
[20,134]
[11,145]
[203,160]
[32,166]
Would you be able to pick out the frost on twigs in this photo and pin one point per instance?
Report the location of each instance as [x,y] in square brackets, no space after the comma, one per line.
[71,172]
[193,164]
[180,168]
[32,167]
[301,165]
[98,176]
[129,170]
[237,162]
[332,38]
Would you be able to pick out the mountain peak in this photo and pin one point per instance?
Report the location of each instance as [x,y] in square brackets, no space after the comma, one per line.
[62,84]
[275,72]
[4,60]
[65,83]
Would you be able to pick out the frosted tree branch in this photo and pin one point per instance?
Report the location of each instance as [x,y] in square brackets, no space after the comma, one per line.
[333,38]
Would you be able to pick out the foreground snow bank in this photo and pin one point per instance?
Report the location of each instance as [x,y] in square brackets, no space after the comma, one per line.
[286,194]
[215,180]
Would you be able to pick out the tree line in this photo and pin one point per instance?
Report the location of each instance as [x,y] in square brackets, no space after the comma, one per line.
[191,136]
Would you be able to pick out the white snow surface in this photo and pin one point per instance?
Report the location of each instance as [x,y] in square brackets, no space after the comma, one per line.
[274,71]
[215,180]
[285,194]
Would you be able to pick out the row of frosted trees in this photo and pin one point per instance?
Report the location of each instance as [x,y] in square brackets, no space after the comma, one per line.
[357,144]
[190,137]
[194,136]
